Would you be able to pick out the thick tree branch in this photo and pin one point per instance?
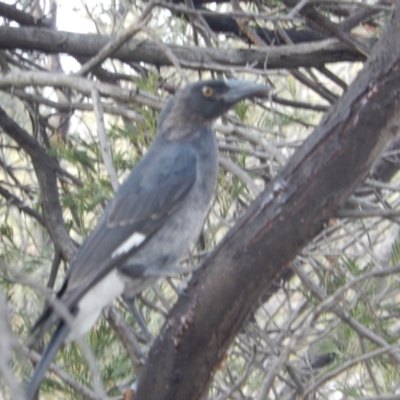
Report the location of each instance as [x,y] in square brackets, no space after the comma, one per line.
[291,211]
[80,45]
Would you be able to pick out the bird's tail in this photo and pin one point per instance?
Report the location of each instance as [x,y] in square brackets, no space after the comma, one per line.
[55,343]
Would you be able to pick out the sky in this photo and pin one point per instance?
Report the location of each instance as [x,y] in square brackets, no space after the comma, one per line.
[72,17]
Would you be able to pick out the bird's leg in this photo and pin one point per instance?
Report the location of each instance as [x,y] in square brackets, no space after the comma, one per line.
[130,303]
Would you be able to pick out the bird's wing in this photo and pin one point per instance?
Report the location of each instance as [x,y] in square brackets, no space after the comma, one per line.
[155,189]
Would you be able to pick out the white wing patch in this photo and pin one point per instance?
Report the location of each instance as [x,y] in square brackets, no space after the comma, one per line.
[133,241]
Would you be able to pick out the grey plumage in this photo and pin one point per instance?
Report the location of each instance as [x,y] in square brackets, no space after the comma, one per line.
[154,217]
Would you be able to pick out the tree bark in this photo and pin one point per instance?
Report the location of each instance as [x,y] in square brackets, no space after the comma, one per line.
[292,210]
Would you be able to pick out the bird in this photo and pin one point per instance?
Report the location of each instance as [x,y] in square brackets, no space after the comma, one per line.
[153,218]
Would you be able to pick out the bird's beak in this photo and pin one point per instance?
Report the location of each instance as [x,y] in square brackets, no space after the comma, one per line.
[239,90]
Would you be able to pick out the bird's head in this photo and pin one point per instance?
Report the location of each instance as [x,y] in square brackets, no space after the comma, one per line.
[198,105]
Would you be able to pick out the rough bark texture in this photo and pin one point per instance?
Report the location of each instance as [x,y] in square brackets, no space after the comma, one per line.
[292,209]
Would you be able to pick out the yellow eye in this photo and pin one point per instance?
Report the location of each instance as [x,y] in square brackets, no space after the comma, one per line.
[207,91]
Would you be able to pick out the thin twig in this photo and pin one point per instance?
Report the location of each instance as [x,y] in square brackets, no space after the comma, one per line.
[70,107]
[230,166]
[80,84]
[167,51]
[345,366]
[102,134]
[55,369]
[115,44]
[235,14]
